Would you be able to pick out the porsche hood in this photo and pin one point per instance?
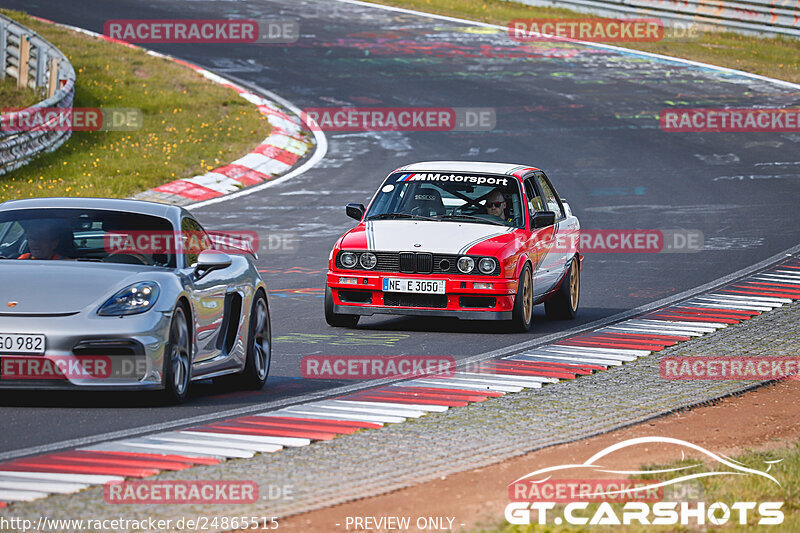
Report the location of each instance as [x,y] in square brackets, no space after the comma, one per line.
[424,236]
[59,287]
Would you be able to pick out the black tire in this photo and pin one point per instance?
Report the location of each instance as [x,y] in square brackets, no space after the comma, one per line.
[259,349]
[335,319]
[522,315]
[177,359]
[564,303]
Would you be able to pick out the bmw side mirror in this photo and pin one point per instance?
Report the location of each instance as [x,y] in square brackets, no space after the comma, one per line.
[209,260]
[355,211]
[542,219]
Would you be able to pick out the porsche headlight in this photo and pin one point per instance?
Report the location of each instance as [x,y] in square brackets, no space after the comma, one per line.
[131,300]
[486,265]
[368,260]
[465,264]
[348,259]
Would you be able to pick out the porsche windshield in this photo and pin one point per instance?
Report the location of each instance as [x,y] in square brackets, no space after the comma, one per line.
[83,235]
[482,199]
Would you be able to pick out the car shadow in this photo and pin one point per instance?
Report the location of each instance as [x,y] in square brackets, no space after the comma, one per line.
[541,324]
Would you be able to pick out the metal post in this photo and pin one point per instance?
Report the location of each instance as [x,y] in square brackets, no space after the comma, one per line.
[52,80]
[24,56]
[41,64]
[3,49]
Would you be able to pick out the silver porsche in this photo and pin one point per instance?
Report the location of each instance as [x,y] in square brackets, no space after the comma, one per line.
[109,294]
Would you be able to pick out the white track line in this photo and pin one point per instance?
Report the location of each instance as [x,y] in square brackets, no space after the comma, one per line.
[308,411]
[53,487]
[444,385]
[21,495]
[338,407]
[223,443]
[509,373]
[552,357]
[91,479]
[396,405]
[280,441]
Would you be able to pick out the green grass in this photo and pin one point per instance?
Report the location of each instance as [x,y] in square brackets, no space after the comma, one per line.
[190,126]
[10,96]
[726,489]
[777,57]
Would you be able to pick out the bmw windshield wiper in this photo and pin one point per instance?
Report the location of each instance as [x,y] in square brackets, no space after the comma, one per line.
[398,215]
[477,219]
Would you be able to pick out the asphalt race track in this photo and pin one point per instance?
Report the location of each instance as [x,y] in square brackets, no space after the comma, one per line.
[586,115]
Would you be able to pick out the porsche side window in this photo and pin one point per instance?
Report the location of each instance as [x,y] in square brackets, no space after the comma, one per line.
[550,199]
[191,229]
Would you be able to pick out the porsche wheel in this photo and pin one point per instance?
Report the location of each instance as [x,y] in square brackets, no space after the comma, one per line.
[564,304]
[522,315]
[335,319]
[177,359]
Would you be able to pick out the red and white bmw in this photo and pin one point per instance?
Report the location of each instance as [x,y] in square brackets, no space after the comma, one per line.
[483,241]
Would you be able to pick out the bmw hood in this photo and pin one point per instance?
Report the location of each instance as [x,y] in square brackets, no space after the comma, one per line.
[57,287]
[442,237]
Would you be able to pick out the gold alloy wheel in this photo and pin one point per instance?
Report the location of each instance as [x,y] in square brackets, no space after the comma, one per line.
[574,285]
[527,297]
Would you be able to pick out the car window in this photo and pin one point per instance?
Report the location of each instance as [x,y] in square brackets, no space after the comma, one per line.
[534,200]
[450,198]
[97,235]
[550,199]
[195,240]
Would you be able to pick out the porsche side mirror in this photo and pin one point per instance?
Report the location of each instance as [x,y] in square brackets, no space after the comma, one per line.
[542,219]
[209,260]
[355,211]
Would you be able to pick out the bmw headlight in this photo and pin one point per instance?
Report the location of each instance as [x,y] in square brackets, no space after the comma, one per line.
[486,265]
[348,259]
[131,300]
[465,264]
[368,260]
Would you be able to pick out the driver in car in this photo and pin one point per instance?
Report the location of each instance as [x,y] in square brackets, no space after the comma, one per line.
[496,205]
[44,240]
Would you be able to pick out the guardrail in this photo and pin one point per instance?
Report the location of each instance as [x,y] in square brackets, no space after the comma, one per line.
[35,64]
[763,17]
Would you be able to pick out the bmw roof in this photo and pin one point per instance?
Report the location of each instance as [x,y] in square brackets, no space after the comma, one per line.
[476,167]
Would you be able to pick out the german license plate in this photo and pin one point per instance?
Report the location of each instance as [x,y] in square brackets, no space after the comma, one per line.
[422,286]
[21,343]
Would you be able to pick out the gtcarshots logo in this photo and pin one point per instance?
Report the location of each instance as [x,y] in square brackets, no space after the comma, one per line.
[626,501]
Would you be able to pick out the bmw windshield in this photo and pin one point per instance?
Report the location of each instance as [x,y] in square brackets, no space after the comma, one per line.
[483,199]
